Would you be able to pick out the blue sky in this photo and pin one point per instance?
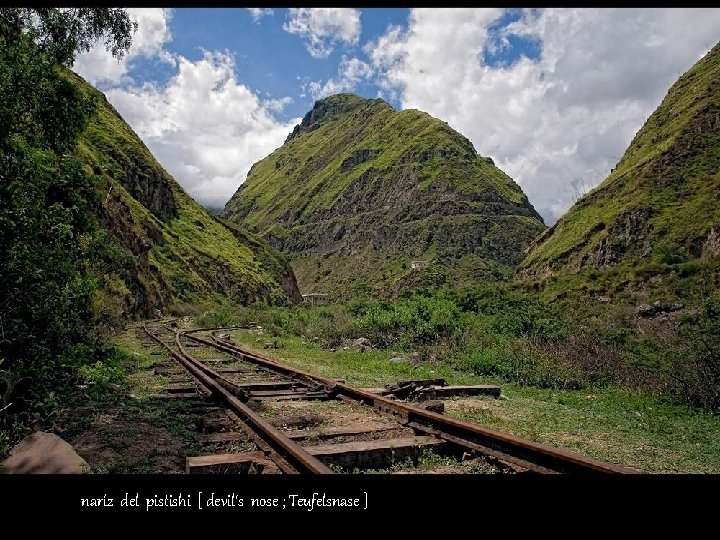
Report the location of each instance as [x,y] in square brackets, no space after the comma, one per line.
[554,96]
[275,63]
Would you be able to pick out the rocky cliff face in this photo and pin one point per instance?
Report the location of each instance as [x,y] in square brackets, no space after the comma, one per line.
[359,190]
[177,252]
[653,223]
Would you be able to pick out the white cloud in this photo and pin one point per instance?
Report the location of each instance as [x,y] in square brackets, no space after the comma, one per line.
[350,73]
[204,126]
[564,119]
[98,66]
[324,28]
[259,13]
[277,105]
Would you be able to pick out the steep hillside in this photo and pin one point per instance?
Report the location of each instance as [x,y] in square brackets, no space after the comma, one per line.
[176,251]
[653,226]
[359,190]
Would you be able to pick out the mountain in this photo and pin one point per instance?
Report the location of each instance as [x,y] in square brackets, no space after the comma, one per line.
[359,190]
[653,226]
[175,251]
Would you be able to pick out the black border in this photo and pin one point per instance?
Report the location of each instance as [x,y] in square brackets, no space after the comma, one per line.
[424,496]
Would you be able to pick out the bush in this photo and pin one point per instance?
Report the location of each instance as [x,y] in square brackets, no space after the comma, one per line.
[685,355]
[413,321]
[222,316]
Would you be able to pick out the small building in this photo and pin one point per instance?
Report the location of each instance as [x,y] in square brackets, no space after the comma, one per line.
[315,298]
[418,265]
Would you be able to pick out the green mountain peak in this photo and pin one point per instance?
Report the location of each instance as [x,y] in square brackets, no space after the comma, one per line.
[360,190]
[652,225]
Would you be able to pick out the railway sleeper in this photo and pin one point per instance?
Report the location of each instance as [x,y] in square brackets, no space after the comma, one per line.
[496,458]
[378,454]
[245,463]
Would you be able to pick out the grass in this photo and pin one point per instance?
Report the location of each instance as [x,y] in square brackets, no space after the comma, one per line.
[668,176]
[121,427]
[182,253]
[613,424]
[365,369]
[422,191]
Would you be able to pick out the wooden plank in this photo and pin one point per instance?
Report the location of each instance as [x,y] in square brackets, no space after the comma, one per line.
[230,464]
[270,385]
[296,396]
[180,387]
[329,433]
[231,436]
[375,454]
[177,395]
[260,393]
[476,390]
[422,382]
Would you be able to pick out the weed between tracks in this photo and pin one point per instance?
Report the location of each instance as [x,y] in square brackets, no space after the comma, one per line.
[609,423]
[120,427]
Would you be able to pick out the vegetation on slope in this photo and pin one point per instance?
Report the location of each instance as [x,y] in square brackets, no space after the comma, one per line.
[92,229]
[360,186]
[47,232]
[603,387]
[182,253]
[653,226]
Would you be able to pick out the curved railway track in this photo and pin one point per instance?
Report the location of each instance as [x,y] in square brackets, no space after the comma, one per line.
[267,401]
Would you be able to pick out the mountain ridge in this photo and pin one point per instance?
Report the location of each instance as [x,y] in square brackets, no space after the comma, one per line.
[360,185]
[179,253]
[657,215]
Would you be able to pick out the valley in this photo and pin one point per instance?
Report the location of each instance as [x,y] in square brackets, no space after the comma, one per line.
[377,296]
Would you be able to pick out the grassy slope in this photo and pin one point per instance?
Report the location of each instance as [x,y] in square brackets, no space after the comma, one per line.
[612,424]
[672,170]
[310,163]
[192,256]
[302,183]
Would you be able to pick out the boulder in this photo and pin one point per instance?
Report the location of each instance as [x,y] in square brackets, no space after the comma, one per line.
[667,307]
[647,310]
[44,453]
[362,344]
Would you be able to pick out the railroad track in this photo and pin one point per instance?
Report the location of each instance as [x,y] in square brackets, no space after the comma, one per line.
[287,420]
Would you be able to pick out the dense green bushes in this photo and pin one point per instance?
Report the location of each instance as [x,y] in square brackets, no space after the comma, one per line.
[504,333]
[47,232]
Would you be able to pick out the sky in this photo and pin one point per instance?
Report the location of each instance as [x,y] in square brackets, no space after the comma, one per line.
[554,96]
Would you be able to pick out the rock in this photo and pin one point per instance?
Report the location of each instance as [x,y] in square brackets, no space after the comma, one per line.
[667,307]
[415,357]
[604,299]
[397,360]
[362,344]
[647,310]
[44,453]
[434,405]
[711,246]
[273,345]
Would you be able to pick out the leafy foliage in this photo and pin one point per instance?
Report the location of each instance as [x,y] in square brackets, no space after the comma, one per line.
[46,227]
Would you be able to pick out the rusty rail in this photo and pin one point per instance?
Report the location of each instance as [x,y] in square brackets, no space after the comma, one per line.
[287,449]
[496,444]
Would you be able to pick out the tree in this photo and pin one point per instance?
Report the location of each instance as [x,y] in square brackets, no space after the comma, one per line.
[61,33]
[46,223]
